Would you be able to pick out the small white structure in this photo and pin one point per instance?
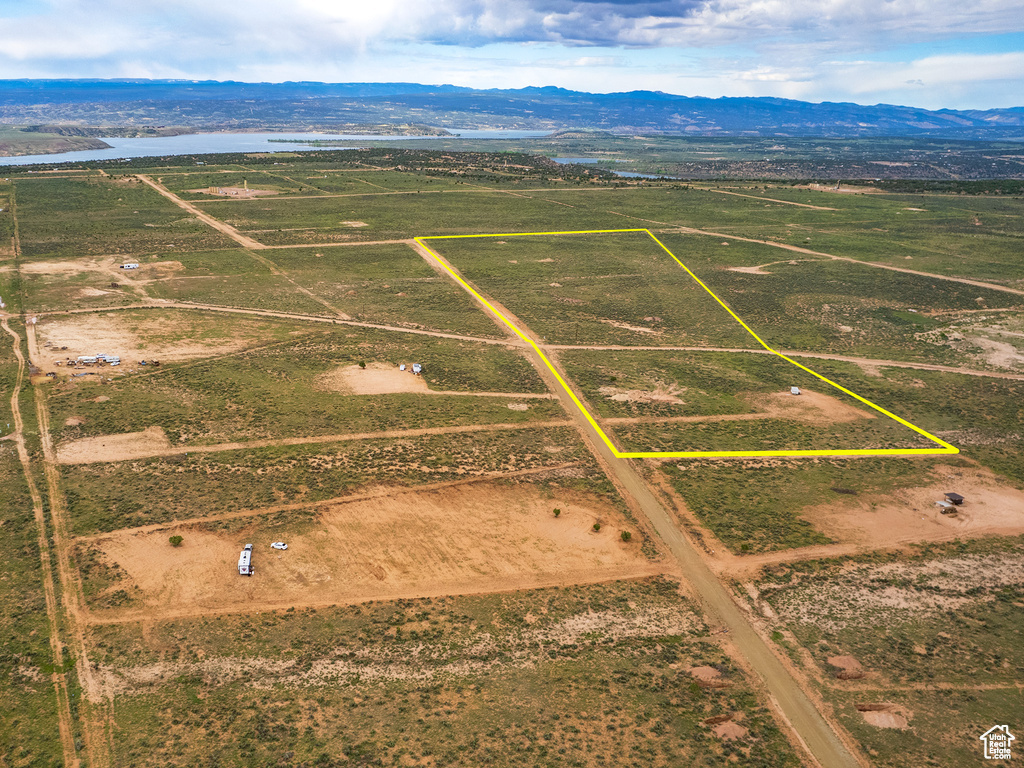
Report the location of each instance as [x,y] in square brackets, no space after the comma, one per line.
[245,561]
[401,367]
[417,368]
[131,265]
[794,390]
[87,359]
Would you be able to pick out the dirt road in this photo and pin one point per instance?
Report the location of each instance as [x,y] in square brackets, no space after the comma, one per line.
[168,304]
[773,200]
[88,450]
[792,702]
[220,226]
[94,714]
[65,721]
[861,361]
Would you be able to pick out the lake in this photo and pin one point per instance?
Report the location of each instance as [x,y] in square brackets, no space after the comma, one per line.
[212,143]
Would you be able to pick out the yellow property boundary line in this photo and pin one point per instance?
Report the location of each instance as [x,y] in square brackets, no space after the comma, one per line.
[945,448]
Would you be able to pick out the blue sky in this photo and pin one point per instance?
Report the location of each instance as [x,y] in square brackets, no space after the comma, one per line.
[928,53]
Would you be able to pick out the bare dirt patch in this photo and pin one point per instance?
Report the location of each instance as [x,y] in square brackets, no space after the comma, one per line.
[374,379]
[634,328]
[383,379]
[726,726]
[885,715]
[64,268]
[354,224]
[662,393]
[846,668]
[749,270]
[472,538]
[910,514]
[808,407]
[706,674]
[123,447]
[134,337]
[242,192]
[74,421]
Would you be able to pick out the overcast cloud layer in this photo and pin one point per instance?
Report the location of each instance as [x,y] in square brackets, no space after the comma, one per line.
[930,53]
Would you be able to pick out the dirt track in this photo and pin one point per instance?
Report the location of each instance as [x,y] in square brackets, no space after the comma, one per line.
[167,304]
[773,200]
[787,694]
[95,716]
[92,450]
[220,226]
[861,361]
[65,721]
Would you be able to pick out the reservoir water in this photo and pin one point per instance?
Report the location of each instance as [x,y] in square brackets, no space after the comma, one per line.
[210,143]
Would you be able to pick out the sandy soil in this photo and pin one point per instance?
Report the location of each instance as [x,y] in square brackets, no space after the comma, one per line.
[375,379]
[382,379]
[910,514]
[468,538]
[64,267]
[809,407]
[628,327]
[663,393]
[123,447]
[885,715]
[116,334]
[846,667]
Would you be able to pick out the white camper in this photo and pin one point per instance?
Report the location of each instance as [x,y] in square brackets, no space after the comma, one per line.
[245,561]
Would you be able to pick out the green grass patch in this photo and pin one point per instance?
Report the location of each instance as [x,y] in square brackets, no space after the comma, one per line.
[63,217]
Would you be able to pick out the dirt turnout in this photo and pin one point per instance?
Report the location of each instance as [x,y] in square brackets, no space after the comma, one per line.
[472,538]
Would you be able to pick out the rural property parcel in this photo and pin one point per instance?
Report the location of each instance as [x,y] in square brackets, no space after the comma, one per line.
[596,528]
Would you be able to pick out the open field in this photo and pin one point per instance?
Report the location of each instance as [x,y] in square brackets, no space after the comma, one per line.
[58,218]
[471,577]
[929,636]
[292,383]
[625,672]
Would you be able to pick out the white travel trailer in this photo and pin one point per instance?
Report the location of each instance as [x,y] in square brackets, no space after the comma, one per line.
[245,561]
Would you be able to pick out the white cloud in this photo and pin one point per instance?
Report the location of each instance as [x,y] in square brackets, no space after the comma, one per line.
[811,49]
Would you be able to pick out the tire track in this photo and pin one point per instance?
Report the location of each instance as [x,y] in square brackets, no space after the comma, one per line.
[65,721]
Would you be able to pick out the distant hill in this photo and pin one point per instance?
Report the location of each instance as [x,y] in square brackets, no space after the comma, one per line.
[303,105]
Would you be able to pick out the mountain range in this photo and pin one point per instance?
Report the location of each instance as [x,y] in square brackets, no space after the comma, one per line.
[214,105]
